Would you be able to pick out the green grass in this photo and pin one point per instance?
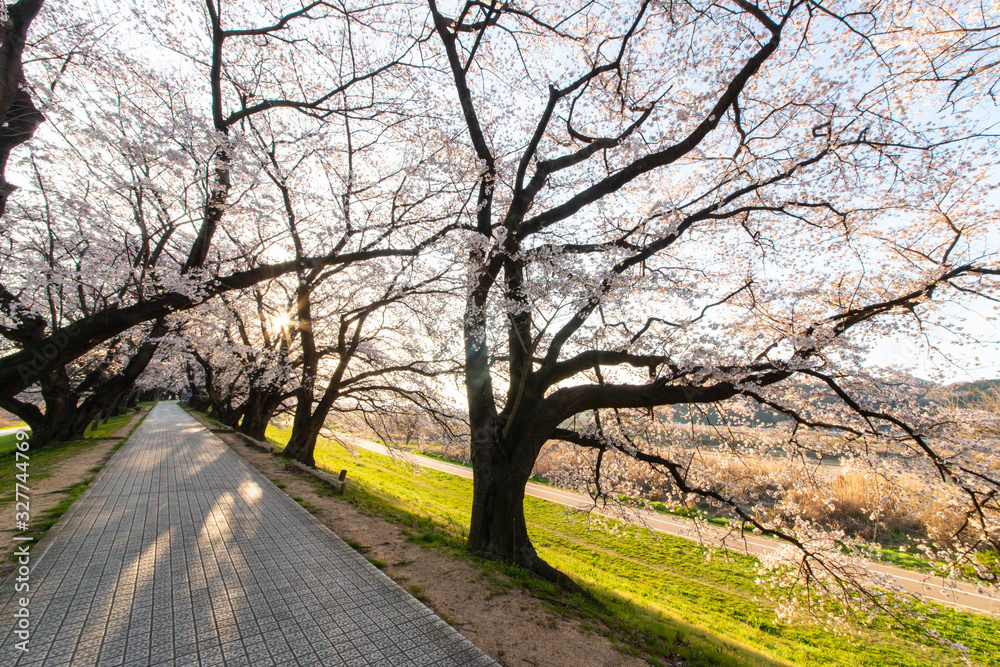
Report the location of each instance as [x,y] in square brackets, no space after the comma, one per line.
[418,593]
[49,518]
[380,564]
[41,460]
[7,444]
[661,594]
[108,430]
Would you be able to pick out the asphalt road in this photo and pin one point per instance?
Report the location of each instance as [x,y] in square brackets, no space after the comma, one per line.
[961,596]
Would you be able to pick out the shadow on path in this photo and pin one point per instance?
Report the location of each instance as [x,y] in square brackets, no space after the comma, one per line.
[181,554]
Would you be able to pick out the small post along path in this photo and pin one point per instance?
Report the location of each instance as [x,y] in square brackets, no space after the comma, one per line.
[181,554]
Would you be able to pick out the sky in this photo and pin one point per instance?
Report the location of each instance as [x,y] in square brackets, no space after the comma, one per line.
[973,356]
[944,357]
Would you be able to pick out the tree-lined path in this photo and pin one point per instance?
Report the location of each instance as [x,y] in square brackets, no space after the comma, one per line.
[181,554]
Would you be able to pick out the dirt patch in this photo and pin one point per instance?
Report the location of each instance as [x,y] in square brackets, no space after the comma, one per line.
[511,625]
[49,490]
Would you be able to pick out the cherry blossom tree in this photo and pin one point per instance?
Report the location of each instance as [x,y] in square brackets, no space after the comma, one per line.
[364,348]
[714,209]
[251,71]
[366,333]
[718,205]
[269,372]
[235,362]
[184,164]
[962,51]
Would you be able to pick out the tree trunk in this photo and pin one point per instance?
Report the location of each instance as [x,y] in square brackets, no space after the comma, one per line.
[57,430]
[231,417]
[112,407]
[309,420]
[18,115]
[260,407]
[60,428]
[302,445]
[63,420]
[224,413]
[498,529]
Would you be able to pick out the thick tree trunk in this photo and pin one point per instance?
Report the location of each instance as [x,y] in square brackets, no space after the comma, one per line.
[302,445]
[61,427]
[498,529]
[112,407]
[63,419]
[310,417]
[224,413]
[232,418]
[220,407]
[260,407]
[58,430]
[254,424]
[198,402]
[18,115]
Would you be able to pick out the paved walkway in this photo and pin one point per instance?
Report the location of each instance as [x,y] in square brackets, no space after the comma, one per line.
[182,554]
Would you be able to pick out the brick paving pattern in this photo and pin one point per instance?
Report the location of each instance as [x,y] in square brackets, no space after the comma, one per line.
[182,554]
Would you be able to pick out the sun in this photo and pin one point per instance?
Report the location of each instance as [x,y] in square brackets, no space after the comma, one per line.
[278,322]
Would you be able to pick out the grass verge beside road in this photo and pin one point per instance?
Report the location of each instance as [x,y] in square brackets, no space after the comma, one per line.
[665,597]
[899,550]
[43,458]
[42,462]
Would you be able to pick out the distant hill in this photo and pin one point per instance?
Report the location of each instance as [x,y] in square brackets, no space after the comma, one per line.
[920,392]
[967,394]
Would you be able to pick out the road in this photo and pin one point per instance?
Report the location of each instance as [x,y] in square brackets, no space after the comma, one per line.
[15,429]
[961,596]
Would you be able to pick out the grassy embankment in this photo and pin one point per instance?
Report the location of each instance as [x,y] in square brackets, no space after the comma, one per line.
[40,462]
[891,555]
[663,596]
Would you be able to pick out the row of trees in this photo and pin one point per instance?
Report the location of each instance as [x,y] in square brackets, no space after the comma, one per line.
[165,159]
[589,214]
